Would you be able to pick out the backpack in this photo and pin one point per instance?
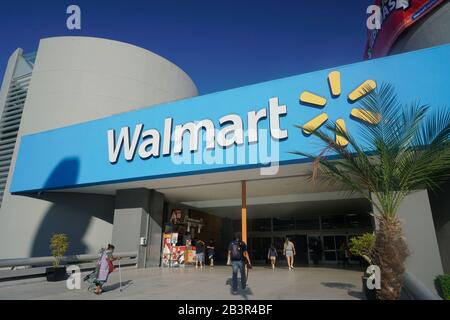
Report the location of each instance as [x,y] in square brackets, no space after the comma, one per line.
[236,251]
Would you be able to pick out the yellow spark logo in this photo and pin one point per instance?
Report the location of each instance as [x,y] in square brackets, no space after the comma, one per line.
[334,81]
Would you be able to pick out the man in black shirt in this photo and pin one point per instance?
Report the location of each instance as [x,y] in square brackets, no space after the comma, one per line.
[238,257]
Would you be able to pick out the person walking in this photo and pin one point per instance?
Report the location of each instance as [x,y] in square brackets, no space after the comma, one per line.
[105,267]
[289,253]
[347,256]
[200,253]
[238,257]
[272,255]
[211,252]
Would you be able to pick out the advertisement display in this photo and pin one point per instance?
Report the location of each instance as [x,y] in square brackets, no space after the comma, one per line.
[191,258]
[179,254]
[172,255]
[167,249]
[396,17]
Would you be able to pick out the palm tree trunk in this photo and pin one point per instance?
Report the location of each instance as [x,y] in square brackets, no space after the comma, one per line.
[389,253]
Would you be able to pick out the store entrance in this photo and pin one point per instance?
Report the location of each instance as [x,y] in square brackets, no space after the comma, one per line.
[319,224]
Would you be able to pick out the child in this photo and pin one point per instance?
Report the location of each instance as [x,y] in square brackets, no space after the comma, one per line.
[272,255]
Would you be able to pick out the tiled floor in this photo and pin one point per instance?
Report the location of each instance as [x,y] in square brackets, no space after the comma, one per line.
[202,284]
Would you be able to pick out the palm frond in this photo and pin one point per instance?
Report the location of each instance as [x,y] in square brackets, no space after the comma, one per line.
[406,150]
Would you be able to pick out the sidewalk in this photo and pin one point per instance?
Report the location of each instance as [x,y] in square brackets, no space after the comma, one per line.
[202,284]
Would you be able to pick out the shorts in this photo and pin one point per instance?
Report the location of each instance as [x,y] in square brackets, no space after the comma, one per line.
[200,257]
[211,254]
[289,253]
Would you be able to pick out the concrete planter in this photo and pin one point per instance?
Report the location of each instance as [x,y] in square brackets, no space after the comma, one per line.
[369,294]
[55,274]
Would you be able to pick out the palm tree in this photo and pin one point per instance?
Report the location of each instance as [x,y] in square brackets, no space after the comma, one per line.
[400,149]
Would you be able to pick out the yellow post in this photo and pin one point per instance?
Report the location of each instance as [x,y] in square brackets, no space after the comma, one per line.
[244,210]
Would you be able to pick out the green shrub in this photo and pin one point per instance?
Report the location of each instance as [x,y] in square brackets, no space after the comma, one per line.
[362,246]
[443,284]
[58,246]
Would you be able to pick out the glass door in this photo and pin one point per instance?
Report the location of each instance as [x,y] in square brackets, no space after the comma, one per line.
[329,249]
[315,249]
[301,249]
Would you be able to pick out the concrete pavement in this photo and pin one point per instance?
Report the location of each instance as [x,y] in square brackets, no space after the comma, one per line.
[202,284]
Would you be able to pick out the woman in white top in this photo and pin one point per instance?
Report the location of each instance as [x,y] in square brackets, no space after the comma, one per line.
[289,252]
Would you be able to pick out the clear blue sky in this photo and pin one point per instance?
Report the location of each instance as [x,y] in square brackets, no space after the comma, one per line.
[221,44]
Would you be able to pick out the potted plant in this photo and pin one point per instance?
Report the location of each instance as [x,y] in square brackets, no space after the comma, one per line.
[362,247]
[58,246]
[400,149]
[443,286]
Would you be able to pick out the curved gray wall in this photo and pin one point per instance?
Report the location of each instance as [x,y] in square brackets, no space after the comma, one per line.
[77,79]
[431,30]
[427,229]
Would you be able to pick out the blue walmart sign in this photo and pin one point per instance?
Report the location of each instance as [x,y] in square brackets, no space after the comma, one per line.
[246,127]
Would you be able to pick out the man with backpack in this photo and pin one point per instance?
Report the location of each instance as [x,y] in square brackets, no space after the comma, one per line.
[238,257]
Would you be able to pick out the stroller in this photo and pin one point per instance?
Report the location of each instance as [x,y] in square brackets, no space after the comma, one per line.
[91,280]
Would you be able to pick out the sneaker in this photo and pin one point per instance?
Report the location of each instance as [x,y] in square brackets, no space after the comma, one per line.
[234,293]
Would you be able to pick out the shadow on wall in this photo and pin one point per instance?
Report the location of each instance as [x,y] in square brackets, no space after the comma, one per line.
[69,213]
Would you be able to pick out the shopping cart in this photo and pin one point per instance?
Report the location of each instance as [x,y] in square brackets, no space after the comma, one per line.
[91,280]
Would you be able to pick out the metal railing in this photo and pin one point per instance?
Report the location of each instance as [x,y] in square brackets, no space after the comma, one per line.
[37,267]
[416,290]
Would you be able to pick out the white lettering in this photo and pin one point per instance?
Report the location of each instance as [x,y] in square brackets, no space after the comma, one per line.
[275,111]
[167,136]
[124,138]
[193,130]
[73,21]
[231,133]
[153,141]
[235,127]
[253,119]
[374,20]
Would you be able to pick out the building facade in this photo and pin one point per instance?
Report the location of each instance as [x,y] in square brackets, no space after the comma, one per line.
[111,140]
[76,79]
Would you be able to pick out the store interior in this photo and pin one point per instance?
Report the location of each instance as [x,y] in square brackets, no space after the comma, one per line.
[320,222]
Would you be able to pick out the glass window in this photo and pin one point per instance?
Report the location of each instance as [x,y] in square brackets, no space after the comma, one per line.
[360,221]
[328,243]
[237,226]
[258,248]
[315,249]
[330,255]
[283,224]
[340,242]
[351,220]
[334,222]
[307,223]
[278,242]
[259,225]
